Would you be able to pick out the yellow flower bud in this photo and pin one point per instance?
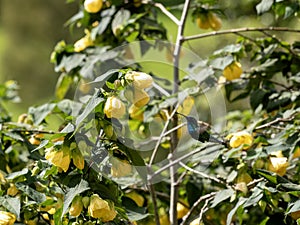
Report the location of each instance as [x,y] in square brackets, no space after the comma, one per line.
[241,138]
[93,6]
[120,168]
[100,208]
[136,113]
[278,165]
[86,201]
[295,215]
[78,159]
[214,21]
[139,80]
[196,222]
[12,190]
[7,218]
[2,178]
[34,141]
[22,118]
[242,186]
[140,97]
[60,158]
[233,71]
[164,219]
[244,177]
[202,21]
[296,153]
[182,210]
[137,198]
[83,43]
[76,206]
[114,107]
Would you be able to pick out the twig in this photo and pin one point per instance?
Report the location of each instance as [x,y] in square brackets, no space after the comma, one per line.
[195,205]
[204,209]
[240,30]
[159,171]
[167,12]
[277,120]
[162,134]
[204,175]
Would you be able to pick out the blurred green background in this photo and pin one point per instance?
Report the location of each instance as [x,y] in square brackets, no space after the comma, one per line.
[30,29]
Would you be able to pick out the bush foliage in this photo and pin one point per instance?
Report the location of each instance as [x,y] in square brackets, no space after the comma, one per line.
[112,148]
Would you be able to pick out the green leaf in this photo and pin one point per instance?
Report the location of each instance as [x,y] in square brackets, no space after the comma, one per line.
[254,198]
[94,101]
[268,175]
[98,30]
[221,196]
[11,204]
[233,211]
[202,75]
[257,97]
[295,206]
[264,6]
[31,193]
[62,86]
[222,62]
[14,175]
[119,21]
[229,49]
[79,188]
[41,112]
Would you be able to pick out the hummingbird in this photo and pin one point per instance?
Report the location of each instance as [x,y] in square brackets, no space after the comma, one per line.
[199,131]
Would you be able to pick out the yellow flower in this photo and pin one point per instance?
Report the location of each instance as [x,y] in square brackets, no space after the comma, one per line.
[114,107]
[139,80]
[278,165]
[137,198]
[78,159]
[120,168]
[136,113]
[214,21]
[233,71]
[76,206]
[93,6]
[7,218]
[60,158]
[100,208]
[12,190]
[140,97]
[240,138]
[182,210]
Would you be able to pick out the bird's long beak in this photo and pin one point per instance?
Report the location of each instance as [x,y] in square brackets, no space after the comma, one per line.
[181,114]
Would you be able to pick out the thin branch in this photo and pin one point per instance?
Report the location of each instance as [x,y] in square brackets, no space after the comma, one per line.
[202,198]
[277,120]
[162,134]
[204,208]
[167,12]
[240,30]
[159,171]
[174,138]
[204,175]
